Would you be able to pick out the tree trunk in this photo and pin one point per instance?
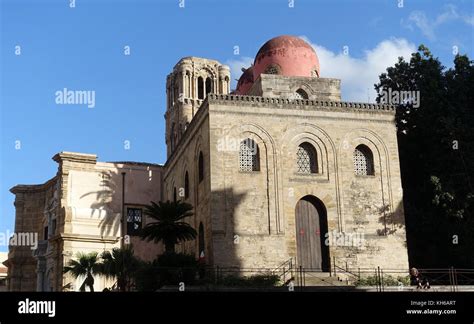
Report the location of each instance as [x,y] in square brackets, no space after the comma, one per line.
[90,282]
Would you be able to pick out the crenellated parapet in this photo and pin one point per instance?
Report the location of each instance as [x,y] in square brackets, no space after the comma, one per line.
[297,103]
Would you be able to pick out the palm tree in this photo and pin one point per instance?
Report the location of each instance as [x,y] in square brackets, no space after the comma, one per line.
[85,265]
[120,263]
[169,226]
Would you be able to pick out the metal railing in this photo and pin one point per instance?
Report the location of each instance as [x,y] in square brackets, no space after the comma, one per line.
[289,273]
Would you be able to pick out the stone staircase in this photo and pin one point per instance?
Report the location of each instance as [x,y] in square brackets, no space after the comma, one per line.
[317,279]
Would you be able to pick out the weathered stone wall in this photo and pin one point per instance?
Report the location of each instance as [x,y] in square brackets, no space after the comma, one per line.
[259,207]
[29,218]
[284,87]
[86,200]
[185,159]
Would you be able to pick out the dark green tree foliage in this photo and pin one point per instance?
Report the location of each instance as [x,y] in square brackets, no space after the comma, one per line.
[168,269]
[169,225]
[120,264]
[436,147]
[86,265]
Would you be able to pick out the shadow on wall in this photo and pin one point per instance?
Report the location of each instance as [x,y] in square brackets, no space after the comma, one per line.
[107,204]
[225,233]
[391,220]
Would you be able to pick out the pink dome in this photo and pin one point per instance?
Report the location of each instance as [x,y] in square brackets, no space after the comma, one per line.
[288,56]
[245,81]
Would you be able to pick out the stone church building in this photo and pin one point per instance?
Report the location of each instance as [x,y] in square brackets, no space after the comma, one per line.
[279,168]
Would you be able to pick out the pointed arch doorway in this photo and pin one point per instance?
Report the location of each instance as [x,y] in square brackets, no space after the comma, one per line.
[311,228]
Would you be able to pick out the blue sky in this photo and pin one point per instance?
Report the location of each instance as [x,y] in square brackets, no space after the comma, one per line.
[82,48]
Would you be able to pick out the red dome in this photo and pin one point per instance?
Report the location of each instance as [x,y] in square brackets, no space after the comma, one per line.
[245,81]
[288,56]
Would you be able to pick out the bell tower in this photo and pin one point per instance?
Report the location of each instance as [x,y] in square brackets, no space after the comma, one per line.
[186,88]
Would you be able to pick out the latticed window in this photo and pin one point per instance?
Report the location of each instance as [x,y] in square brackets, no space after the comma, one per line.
[301,94]
[272,69]
[363,161]
[306,159]
[249,157]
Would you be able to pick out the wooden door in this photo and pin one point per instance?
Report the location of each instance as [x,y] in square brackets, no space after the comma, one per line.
[308,235]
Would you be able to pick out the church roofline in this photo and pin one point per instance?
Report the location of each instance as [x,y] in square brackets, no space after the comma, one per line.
[22,188]
[76,157]
[136,163]
[325,104]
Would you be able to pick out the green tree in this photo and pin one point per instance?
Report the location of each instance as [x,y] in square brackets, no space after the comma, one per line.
[121,264]
[86,266]
[169,226]
[436,148]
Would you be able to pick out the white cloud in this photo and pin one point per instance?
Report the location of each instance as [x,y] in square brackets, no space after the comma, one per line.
[358,75]
[421,21]
[428,26]
[236,66]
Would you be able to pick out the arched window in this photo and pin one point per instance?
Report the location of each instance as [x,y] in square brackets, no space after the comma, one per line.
[201,167]
[208,85]
[186,185]
[249,156]
[306,158]
[301,94]
[200,88]
[201,241]
[176,93]
[226,85]
[188,85]
[363,161]
[272,69]
[172,137]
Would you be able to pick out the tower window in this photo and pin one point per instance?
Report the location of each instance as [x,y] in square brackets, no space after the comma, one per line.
[174,194]
[208,85]
[200,167]
[172,142]
[301,94]
[249,156]
[187,85]
[306,159]
[363,161]
[200,88]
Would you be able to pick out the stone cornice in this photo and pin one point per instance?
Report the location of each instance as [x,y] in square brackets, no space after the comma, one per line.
[87,238]
[340,106]
[75,157]
[33,188]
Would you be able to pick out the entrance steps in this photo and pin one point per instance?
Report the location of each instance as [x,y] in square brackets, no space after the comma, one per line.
[318,279]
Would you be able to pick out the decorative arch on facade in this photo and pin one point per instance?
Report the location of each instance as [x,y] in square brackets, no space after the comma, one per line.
[268,168]
[305,87]
[381,160]
[327,165]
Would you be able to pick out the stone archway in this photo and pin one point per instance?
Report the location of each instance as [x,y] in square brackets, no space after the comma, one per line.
[311,229]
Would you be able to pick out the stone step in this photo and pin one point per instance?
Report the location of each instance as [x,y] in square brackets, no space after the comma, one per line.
[320,279]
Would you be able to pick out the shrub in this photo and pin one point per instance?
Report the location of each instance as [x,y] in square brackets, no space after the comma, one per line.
[258,280]
[146,277]
[173,268]
[388,280]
